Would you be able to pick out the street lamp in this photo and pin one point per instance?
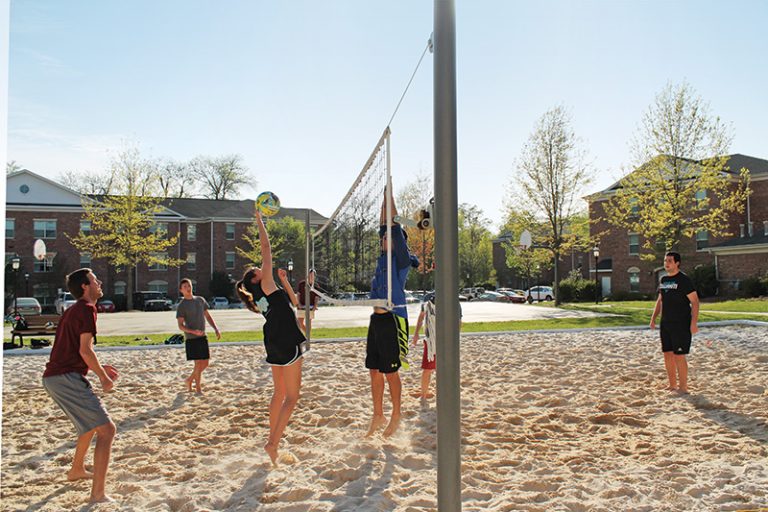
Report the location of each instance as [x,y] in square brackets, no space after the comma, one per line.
[15,264]
[26,280]
[290,270]
[596,254]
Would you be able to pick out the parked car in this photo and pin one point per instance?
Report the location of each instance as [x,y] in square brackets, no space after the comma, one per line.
[219,303]
[539,293]
[471,293]
[26,306]
[463,298]
[63,301]
[105,306]
[491,297]
[410,298]
[517,298]
[151,301]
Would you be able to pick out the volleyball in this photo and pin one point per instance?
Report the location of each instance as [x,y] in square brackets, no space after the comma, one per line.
[268,204]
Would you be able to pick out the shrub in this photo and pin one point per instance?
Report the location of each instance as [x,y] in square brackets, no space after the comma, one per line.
[624,296]
[576,289]
[753,287]
[704,278]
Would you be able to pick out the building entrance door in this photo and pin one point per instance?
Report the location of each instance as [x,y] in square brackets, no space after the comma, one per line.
[606,285]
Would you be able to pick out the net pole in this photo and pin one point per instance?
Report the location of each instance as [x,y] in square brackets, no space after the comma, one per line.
[388,194]
[447,255]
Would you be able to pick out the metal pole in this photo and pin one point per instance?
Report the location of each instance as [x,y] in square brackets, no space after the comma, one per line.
[447,256]
[597,284]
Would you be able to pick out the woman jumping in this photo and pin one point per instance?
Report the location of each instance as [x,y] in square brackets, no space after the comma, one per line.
[283,340]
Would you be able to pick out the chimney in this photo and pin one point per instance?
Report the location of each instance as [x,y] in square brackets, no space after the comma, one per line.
[751,229]
[741,230]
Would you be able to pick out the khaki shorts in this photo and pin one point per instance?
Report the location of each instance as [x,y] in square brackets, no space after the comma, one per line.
[300,313]
[74,394]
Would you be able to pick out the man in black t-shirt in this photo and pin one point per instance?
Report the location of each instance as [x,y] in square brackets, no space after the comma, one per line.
[678,304]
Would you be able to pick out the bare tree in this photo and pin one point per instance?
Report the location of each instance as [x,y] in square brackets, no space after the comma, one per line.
[220,177]
[552,174]
[11,167]
[88,182]
[175,179]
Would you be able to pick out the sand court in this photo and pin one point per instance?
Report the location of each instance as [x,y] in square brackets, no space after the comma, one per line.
[566,421]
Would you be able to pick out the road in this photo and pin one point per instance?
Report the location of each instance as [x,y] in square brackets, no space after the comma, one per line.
[139,322]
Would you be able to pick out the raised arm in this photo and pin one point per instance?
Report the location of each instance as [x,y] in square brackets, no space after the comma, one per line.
[267,279]
[283,275]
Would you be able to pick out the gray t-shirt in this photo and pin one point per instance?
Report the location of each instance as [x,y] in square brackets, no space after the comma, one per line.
[191,310]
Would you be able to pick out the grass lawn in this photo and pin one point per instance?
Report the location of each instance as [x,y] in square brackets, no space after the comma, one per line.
[628,314]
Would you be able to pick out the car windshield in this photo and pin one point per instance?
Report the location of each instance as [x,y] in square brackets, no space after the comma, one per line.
[69,296]
[21,301]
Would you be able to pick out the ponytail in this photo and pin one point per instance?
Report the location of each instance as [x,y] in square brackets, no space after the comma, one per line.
[244,290]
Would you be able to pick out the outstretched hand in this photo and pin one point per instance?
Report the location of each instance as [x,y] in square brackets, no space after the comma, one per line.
[282,274]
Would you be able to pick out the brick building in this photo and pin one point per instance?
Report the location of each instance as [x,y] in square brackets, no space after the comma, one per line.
[741,255]
[509,278]
[38,208]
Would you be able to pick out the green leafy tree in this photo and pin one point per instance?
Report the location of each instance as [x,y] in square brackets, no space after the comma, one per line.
[122,225]
[287,238]
[682,184]
[527,262]
[551,176]
[475,246]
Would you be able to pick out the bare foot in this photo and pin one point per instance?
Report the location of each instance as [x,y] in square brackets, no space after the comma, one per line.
[376,423]
[198,388]
[416,394]
[100,499]
[272,452]
[683,391]
[78,474]
[429,395]
[394,422]
[188,381]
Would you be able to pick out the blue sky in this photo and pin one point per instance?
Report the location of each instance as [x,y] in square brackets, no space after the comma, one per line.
[303,89]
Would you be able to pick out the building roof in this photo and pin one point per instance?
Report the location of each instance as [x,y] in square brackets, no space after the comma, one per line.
[758,167]
[758,242]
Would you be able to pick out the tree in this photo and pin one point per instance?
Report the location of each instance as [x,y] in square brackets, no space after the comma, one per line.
[121,224]
[475,246]
[411,199]
[220,177]
[175,179]
[527,262]
[85,182]
[287,238]
[11,167]
[682,184]
[552,174]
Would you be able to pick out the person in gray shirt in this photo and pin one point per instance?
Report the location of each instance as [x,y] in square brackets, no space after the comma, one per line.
[191,316]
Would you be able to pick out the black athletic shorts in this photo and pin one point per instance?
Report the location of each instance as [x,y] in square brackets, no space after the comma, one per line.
[197,348]
[676,338]
[283,340]
[387,345]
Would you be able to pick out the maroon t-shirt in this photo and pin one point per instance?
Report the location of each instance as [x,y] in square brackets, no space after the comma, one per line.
[312,295]
[65,355]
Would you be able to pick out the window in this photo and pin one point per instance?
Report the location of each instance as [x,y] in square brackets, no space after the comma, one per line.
[158,286]
[85,259]
[45,228]
[191,232]
[119,287]
[159,229]
[230,231]
[43,294]
[634,281]
[10,228]
[41,266]
[661,246]
[634,244]
[701,198]
[230,259]
[191,261]
[85,227]
[633,206]
[159,266]
[702,240]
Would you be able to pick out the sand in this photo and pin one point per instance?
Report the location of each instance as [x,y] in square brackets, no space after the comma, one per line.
[550,422]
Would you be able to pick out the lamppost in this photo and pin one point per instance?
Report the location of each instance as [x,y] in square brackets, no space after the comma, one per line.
[15,264]
[290,270]
[596,254]
[26,280]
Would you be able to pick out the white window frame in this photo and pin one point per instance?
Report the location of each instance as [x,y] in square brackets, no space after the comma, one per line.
[191,232]
[226,231]
[191,261]
[13,228]
[159,267]
[46,236]
[637,252]
[90,227]
[704,239]
[83,263]
[120,287]
[158,283]
[159,227]
[227,261]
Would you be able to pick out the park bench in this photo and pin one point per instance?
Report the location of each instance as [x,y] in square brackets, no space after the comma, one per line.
[38,325]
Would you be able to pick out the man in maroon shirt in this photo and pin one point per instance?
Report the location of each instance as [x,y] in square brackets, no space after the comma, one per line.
[64,379]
